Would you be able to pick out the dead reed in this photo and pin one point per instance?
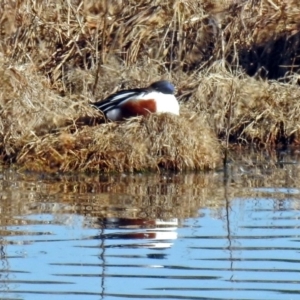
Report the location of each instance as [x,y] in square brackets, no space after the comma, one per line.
[57,56]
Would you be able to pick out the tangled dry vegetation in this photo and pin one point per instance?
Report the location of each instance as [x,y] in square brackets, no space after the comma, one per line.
[234,63]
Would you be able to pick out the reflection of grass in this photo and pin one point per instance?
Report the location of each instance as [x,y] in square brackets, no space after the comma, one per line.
[56,56]
[151,196]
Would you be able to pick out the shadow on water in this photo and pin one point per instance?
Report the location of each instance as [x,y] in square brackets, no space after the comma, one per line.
[228,234]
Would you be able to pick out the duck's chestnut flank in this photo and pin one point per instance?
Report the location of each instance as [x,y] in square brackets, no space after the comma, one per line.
[138,108]
[157,98]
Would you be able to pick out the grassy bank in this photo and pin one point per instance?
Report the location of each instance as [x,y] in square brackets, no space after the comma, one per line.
[234,65]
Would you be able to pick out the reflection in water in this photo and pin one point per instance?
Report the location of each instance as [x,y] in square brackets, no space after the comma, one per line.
[158,232]
[192,236]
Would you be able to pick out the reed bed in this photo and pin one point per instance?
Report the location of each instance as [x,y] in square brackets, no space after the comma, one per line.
[235,65]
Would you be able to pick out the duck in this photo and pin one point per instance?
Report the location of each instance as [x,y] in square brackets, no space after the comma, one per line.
[159,97]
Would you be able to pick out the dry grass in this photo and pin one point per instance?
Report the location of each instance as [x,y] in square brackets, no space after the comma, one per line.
[57,56]
[30,109]
[248,110]
[159,141]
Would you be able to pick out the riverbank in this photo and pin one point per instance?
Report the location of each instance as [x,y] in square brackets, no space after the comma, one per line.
[234,66]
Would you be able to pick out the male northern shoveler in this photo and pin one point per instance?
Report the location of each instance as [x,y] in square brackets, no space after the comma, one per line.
[157,98]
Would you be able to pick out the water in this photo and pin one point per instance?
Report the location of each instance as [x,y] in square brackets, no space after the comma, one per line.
[168,236]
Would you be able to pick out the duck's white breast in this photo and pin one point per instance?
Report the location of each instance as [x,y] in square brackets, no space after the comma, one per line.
[165,103]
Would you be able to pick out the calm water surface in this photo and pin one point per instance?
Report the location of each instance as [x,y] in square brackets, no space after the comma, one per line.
[219,235]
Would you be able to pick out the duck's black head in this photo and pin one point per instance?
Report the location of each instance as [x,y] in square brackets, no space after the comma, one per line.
[163,86]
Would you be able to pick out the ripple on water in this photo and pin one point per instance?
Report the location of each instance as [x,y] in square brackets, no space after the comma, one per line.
[191,236]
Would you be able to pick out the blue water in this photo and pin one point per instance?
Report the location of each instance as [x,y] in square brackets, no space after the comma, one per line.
[193,236]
